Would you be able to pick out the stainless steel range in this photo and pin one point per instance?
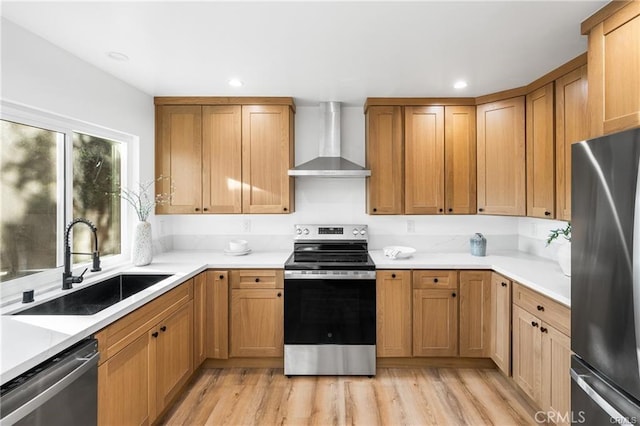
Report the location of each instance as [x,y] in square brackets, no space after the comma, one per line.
[330,302]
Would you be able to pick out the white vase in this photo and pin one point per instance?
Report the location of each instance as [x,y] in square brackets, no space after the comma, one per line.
[142,249]
[564,258]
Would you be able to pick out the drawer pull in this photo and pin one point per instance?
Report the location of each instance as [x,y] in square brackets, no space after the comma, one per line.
[533,323]
[163,328]
[393,275]
[504,284]
[540,308]
[257,280]
[435,280]
[543,329]
[154,334]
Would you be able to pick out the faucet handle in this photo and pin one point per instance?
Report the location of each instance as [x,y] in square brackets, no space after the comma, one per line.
[79,279]
[96,262]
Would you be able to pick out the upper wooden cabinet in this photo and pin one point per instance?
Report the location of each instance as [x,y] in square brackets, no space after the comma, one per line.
[385,160]
[393,313]
[224,158]
[571,126]
[540,153]
[614,67]
[501,157]
[424,164]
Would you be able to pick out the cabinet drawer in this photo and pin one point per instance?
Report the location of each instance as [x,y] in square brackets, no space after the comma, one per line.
[257,278]
[547,310]
[118,335]
[435,279]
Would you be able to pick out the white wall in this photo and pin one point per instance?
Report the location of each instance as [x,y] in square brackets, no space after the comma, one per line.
[533,235]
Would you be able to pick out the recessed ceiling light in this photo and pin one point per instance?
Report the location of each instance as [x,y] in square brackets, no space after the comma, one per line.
[235,82]
[118,56]
[460,84]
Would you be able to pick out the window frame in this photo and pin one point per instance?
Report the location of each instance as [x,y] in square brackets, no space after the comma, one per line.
[10,291]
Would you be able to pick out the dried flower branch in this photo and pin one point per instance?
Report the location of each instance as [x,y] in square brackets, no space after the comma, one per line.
[140,199]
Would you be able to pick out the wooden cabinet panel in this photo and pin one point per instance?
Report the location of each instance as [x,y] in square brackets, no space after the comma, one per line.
[393,313]
[217,328]
[571,126]
[460,159]
[199,319]
[178,151]
[540,153]
[424,160]
[527,356]
[435,322]
[435,279]
[221,159]
[475,314]
[173,355]
[257,317]
[267,141]
[556,381]
[385,159]
[614,80]
[501,322]
[501,157]
[257,278]
[124,392]
[550,311]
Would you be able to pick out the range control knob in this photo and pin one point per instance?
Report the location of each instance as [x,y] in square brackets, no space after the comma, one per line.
[305,231]
[363,231]
[298,231]
[355,231]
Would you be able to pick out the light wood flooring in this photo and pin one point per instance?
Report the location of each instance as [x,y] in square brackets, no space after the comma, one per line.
[395,396]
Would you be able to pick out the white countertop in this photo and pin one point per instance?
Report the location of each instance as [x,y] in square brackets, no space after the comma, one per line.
[28,340]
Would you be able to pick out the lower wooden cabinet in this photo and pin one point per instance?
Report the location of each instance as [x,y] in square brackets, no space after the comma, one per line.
[199,319]
[500,350]
[475,314]
[393,314]
[542,351]
[146,358]
[217,315]
[257,313]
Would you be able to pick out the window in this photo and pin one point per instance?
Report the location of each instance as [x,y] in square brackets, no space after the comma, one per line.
[51,173]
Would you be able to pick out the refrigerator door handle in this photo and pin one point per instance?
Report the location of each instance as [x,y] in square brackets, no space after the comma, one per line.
[598,399]
[635,277]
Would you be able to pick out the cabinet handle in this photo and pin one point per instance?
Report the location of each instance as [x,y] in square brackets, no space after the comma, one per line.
[453,295]
[504,284]
[375,210]
[480,209]
[543,329]
[547,213]
[533,323]
[257,280]
[154,334]
[279,295]
[393,275]
[163,328]
[435,280]
[284,209]
[540,308]
[221,277]
[440,210]
[450,210]
[205,209]
[197,209]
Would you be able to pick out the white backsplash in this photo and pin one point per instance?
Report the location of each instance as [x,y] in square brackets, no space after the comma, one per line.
[533,234]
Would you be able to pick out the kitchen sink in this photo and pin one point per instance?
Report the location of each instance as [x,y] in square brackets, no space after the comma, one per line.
[96,297]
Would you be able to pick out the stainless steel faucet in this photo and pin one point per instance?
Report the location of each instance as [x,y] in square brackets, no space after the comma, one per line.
[67,277]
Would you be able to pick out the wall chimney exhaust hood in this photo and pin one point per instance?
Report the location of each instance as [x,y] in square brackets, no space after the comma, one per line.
[329,163]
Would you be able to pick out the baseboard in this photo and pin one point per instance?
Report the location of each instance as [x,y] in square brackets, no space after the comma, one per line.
[448,362]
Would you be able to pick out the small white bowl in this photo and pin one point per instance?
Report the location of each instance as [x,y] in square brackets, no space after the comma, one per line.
[238,246]
[398,252]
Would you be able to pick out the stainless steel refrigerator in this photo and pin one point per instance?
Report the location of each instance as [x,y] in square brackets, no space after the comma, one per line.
[605,282]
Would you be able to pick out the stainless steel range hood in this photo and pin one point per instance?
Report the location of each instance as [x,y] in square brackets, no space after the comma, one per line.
[329,163]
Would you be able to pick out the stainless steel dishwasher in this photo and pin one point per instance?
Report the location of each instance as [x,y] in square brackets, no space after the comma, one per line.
[61,391]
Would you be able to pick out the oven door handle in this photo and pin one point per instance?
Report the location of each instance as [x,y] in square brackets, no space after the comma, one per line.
[330,275]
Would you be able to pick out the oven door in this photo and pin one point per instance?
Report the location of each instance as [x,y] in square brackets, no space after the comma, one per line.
[330,310]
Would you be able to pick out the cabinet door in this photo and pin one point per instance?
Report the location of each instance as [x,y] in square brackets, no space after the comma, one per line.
[475,313]
[267,156]
[540,153]
[501,157]
[424,160]
[221,159]
[556,363]
[385,159]
[571,126]
[435,323]
[460,159]
[199,319]
[124,393]
[217,329]
[178,157]
[257,318]
[501,322]
[173,354]
[393,307]
[527,356]
[614,80]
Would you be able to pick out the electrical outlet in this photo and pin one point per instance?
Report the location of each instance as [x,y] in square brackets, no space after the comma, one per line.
[246,225]
[411,226]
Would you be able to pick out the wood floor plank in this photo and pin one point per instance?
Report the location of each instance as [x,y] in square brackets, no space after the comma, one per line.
[395,396]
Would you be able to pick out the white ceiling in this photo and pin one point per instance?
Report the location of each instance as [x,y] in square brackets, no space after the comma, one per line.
[315,51]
